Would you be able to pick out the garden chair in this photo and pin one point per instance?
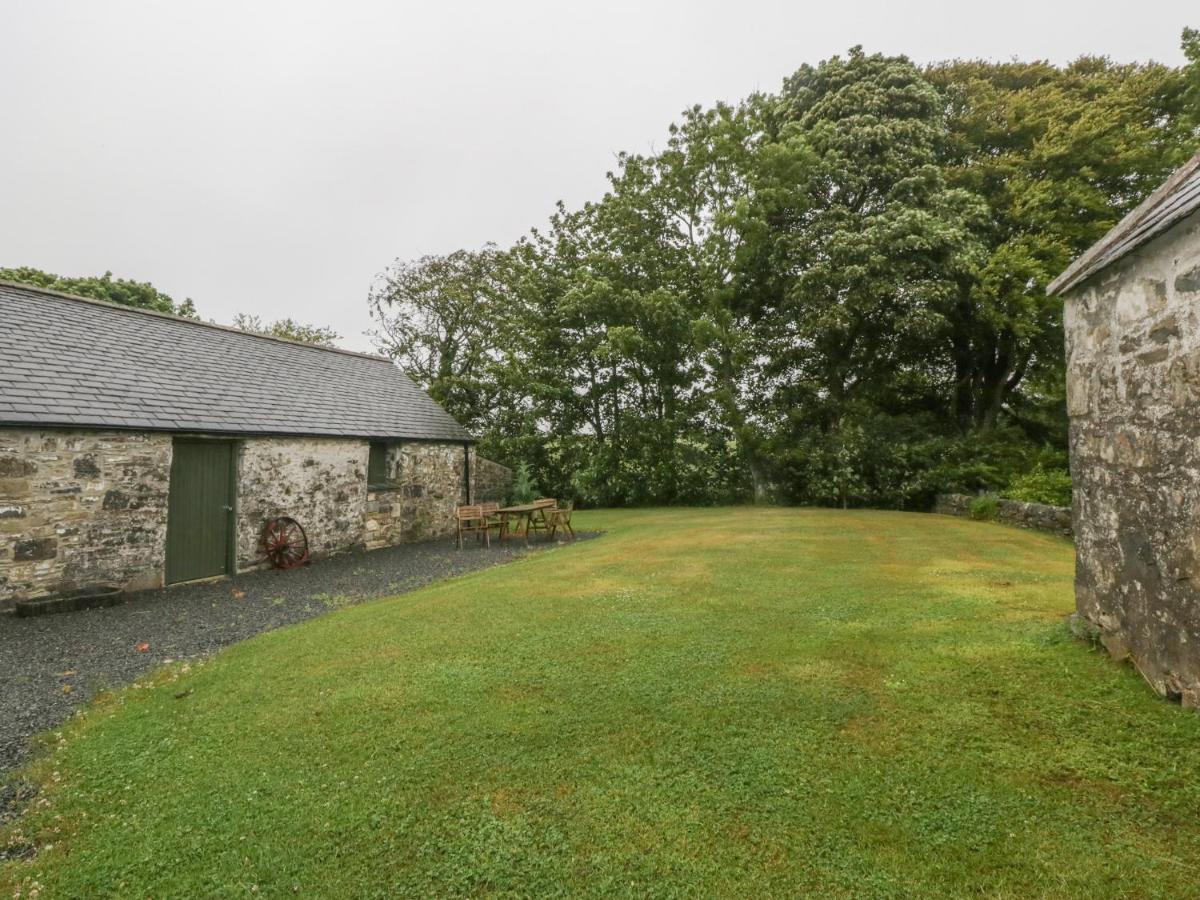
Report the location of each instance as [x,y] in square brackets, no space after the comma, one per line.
[537,521]
[560,518]
[491,512]
[471,520]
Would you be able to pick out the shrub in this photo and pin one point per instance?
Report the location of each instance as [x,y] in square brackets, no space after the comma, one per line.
[1042,485]
[523,488]
[985,507]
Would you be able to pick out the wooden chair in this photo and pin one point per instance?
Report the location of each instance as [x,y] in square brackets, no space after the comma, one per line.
[560,518]
[537,520]
[471,520]
[491,512]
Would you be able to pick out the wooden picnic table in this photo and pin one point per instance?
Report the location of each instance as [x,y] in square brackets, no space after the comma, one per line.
[523,513]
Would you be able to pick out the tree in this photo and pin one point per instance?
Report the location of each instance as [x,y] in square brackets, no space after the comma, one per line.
[834,293]
[863,276]
[706,192]
[439,318]
[140,294]
[1058,155]
[321,335]
[1191,74]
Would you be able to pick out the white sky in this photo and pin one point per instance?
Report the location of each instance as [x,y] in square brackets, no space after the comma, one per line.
[273,157]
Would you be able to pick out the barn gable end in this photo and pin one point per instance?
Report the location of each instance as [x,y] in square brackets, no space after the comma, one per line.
[1132,327]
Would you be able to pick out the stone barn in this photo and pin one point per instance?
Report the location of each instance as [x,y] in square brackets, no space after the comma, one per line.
[139,449]
[1132,322]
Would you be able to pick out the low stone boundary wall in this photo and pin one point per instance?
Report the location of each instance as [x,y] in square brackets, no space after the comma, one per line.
[1038,516]
[492,481]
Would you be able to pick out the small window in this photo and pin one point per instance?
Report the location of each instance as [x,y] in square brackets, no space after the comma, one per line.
[377,473]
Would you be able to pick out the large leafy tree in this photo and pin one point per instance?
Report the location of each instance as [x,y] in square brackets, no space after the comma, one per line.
[642,335]
[867,270]
[855,279]
[126,292]
[439,318]
[834,293]
[710,188]
[1058,155]
[669,234]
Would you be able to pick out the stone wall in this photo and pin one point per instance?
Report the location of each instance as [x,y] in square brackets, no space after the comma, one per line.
[1133,396]
[79,508]
[1037,516]
[426,483]
[492,481]
[319,482]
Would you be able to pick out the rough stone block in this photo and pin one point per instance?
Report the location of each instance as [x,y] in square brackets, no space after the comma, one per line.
[1189,697]
[1115,644]
[1188,282]
[88,542]
[1078,396]
[16,466]
[33,549]
[86,466]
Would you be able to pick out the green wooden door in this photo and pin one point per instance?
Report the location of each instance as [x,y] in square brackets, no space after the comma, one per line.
[200,510]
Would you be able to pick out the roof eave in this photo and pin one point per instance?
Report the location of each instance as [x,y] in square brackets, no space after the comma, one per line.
[466,438]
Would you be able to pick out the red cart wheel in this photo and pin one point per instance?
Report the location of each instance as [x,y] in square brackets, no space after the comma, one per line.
[285,543]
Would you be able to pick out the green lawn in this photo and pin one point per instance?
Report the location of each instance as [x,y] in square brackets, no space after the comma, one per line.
[734,702]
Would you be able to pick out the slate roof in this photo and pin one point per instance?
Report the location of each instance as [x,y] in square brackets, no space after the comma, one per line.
[77,362]
[1178,198]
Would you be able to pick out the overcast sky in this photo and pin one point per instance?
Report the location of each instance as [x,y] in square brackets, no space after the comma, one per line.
[274,157]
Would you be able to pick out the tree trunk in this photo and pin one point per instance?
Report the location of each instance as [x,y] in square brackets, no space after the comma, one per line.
[748,441]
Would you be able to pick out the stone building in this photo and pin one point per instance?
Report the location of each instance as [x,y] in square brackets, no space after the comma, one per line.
[139,449]
[1132,322]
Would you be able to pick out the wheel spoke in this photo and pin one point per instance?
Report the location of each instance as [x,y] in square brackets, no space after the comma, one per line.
[284,542]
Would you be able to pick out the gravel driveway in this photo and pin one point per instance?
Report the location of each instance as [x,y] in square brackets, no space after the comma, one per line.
[49,665]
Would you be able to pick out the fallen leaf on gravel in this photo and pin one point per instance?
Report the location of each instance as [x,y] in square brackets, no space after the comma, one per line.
[143,647]
[67,689]
[67,674]
[237,595]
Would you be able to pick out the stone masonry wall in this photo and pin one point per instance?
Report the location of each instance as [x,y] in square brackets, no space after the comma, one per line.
[1037,516]
[319,482]
[80,508]
[427,483]
[1133,396]
[492,481]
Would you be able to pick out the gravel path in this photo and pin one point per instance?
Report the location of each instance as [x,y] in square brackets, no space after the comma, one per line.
[49,665]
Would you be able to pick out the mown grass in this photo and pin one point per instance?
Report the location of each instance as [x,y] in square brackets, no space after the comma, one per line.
[721,702]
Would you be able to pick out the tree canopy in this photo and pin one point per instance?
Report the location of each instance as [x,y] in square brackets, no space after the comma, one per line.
[126,292]
[830,294]
[143,295]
